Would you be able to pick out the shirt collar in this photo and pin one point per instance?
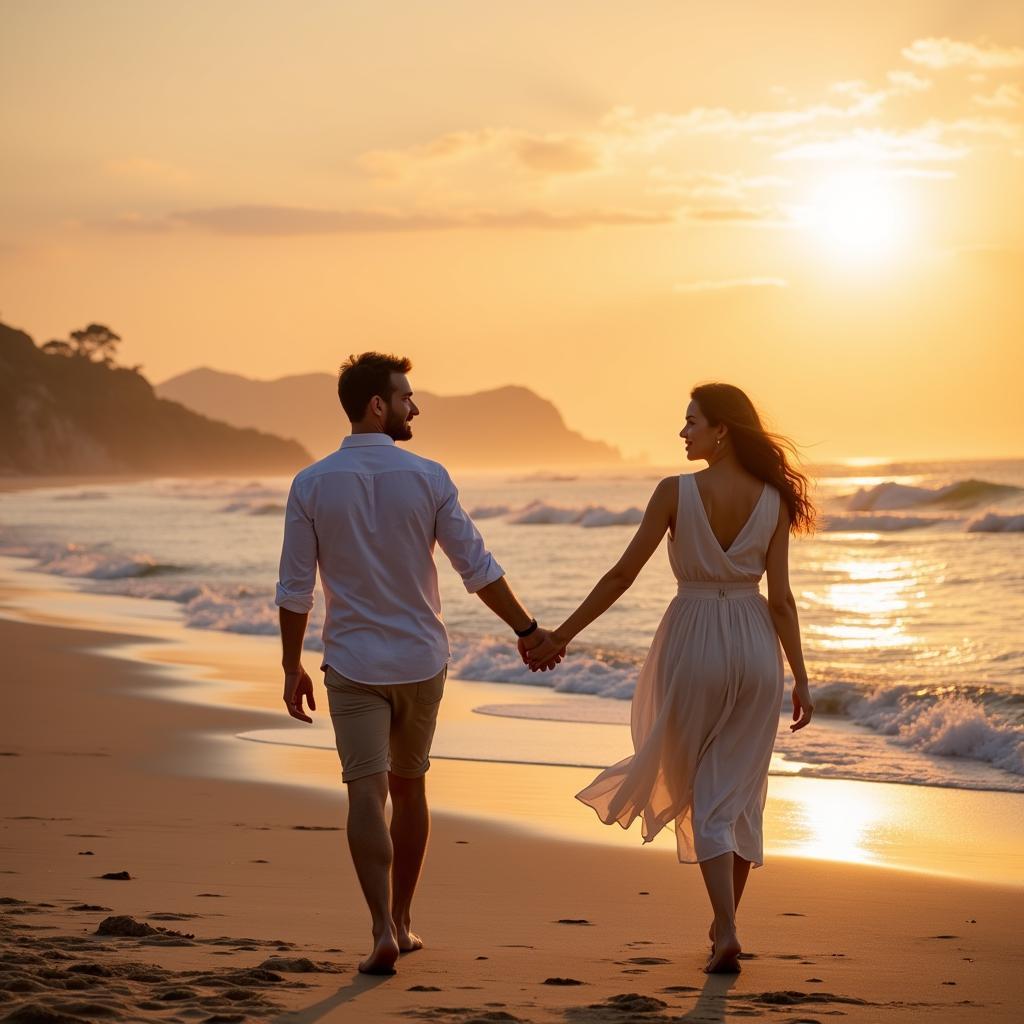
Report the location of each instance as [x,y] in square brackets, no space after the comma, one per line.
[365,440]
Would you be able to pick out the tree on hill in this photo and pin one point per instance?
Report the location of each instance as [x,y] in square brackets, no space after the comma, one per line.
[97,343]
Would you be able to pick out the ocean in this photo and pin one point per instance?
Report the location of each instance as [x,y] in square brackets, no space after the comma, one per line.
[911,599]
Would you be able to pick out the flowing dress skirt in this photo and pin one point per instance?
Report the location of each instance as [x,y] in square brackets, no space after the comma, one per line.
[704,718]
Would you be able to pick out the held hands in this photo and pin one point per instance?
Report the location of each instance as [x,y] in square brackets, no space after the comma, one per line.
[541,651]
[296,686]
[802,706]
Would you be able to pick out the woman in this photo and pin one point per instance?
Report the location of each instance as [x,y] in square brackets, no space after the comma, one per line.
[706,706]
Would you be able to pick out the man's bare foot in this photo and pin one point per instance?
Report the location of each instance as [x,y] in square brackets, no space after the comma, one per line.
[408,942]
[724,955]
[382,959]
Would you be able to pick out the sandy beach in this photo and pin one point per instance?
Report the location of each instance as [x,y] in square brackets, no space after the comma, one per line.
[242,903]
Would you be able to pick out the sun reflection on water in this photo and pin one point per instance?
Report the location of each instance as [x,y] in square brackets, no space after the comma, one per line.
[840,822]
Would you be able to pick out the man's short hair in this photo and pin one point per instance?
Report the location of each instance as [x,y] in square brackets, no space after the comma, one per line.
[363,376]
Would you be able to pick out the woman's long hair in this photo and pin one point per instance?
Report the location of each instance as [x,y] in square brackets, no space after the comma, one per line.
[759,451]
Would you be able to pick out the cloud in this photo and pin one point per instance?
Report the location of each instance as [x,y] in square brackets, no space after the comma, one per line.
[1006,97]
[388,163]
[942,53]
[556,154]
[908,82]
[141,168]
[729,284]
[279,221]
[735,213]
[922,145]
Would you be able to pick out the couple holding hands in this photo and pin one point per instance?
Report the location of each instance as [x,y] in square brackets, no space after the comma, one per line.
[706,706]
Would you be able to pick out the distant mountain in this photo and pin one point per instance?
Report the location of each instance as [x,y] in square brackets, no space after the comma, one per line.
[509,426]
[67,414]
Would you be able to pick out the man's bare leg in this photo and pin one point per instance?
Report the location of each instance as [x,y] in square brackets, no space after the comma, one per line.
[370,844]
[410,830]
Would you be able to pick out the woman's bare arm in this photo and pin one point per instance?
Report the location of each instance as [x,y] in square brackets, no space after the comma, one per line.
[658,517]
[782,606]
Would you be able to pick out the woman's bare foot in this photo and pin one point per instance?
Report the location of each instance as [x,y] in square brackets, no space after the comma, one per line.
[725,951]
[408,942]
[385,954]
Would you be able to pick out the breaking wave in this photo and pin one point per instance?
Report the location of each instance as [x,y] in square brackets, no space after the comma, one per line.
[961,494]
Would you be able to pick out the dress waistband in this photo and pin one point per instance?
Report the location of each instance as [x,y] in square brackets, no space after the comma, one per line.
[718,589]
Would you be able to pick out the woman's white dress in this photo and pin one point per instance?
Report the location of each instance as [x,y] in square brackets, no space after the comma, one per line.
[707,701]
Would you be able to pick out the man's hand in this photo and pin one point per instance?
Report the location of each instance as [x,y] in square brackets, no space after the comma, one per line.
[296,686]
[540,652]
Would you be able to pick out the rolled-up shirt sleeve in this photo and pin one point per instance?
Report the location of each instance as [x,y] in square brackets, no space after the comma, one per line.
[460,540]
[297,573]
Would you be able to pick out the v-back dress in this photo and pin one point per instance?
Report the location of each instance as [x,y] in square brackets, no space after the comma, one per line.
[707,701]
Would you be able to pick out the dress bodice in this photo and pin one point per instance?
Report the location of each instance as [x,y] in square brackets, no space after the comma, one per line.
[694,552]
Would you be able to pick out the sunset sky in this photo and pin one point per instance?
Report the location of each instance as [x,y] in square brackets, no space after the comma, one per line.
[608,203]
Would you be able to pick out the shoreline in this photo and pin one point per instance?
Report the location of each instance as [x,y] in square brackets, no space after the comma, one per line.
[894,826]
[256,871]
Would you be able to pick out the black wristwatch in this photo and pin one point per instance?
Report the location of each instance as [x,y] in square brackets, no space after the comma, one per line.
[521,633]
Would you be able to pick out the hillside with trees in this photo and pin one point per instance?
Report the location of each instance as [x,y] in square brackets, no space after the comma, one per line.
[68,407]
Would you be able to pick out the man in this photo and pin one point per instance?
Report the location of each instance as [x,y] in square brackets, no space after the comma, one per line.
[368,516]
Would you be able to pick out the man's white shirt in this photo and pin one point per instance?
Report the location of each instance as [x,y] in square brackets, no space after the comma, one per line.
[368,516]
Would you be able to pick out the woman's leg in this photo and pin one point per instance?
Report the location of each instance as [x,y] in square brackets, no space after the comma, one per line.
[719,879]
[740,874]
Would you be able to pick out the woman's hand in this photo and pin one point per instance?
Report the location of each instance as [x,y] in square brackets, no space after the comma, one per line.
[802,706]
[543,655]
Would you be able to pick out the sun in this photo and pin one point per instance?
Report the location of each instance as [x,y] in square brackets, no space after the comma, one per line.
[859,214]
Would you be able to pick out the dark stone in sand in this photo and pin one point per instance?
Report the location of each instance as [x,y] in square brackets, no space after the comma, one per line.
[96,970]
[259,862]
[32,1014]
[790,997]
[290,965]
[817,980]
[483,958]
[573,920]
[86,853]
[631,1002]
[643,892]
[423,988]
[943,936]
[117,876]
[175,995]
[212,895]
[124,925]
[462,842]
[561,981]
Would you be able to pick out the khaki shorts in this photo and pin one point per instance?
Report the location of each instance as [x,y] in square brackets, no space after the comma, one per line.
[383,728]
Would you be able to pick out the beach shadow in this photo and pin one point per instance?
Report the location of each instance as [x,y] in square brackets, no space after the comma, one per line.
[711,1005]
[359,985]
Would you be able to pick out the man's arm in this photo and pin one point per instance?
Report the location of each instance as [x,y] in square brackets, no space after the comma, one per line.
[460,540]
[498,596]
[296,683]
[296,579]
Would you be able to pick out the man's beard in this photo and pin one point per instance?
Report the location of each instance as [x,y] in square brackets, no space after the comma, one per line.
[397,427]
